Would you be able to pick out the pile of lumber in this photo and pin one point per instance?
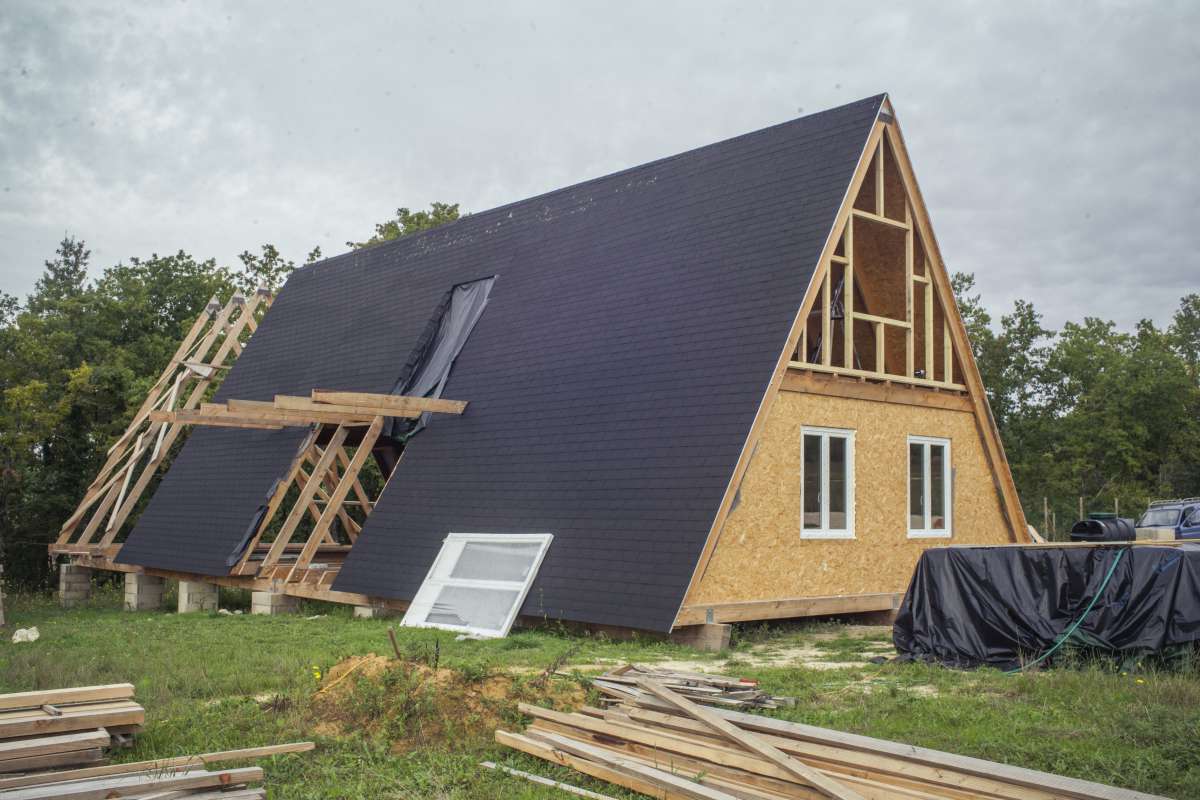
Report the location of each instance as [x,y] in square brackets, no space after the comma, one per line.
[658,742]
[713,690]
[184,777]
[65,727]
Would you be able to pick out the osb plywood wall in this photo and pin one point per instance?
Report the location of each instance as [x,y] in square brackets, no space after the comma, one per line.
[760,555]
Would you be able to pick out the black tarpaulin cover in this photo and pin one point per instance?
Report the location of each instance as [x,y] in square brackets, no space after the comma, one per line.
[1004,606]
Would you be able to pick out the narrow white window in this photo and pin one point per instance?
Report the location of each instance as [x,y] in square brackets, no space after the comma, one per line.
[827,483]
[929,487]
[478,582]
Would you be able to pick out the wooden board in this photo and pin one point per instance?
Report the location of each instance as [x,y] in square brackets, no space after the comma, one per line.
[82,694]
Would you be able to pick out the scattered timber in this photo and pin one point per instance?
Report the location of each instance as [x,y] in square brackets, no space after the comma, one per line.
[713,690]
[180,777]
[657,740]
[57,728]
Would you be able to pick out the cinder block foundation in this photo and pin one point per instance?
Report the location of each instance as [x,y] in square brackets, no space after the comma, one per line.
[711,637]
[273,603]
[74,585]
[197,596]
[376,612]
[143,592]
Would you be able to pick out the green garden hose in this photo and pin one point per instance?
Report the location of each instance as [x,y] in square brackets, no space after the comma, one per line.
[1071,628]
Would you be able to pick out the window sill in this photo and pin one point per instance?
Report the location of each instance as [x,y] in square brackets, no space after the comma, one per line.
[816,534]
[929,534]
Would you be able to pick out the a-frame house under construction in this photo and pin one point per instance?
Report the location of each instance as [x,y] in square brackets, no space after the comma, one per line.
[728,385]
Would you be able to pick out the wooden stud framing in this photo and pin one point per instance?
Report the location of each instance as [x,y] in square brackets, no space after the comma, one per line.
[848,297]
[307,493]
[826,341]
[339,493]
[910,367]
[115,491]
[919,222]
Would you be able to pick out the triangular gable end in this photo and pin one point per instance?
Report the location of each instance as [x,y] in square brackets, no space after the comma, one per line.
[880,308]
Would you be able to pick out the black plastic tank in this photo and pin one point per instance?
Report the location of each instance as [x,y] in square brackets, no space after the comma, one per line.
[1117,529]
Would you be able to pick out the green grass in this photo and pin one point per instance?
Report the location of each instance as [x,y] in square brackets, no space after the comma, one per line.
[214,682]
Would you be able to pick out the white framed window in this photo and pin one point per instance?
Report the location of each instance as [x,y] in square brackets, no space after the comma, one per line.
[478,582]
[826,483]
[930,490]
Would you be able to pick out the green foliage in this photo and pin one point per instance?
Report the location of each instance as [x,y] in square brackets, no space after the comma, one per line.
[1090,411]
[408,222]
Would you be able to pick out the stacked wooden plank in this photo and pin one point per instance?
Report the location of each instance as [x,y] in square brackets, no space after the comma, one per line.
[660,743]
[713,690]
[184,777]
[63,727]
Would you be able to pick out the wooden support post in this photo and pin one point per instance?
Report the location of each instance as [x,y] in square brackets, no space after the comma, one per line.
[334,504]
[929,371]
[910,366]
[826,344]
[848,297]
[1081,508]
[879,177]
[1045,516]
[306,495]
[278,496]
[879,348]
[947,351]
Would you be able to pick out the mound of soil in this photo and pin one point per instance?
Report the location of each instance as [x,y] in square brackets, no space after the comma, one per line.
[413,705]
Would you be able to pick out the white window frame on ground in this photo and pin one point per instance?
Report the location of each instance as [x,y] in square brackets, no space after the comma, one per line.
[825,532]
[440,577]
[926,532]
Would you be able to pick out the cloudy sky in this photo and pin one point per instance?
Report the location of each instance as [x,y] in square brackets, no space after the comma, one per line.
[1054,142]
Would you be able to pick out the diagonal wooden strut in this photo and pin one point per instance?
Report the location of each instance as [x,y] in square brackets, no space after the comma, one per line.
[120,482]
[334,504]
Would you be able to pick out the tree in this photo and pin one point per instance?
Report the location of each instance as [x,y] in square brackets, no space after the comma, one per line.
[409,222]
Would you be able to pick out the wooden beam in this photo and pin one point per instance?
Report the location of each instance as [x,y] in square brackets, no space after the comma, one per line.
[867,215]
[863,373]
[787,608]
[277,498]
[848,297]
[389,404]
[879,204]
[929,371]
[330,416]
[334,504]
[910,366]
[873,319]
[880,365]
[826,299]
[306,495]
[883,391]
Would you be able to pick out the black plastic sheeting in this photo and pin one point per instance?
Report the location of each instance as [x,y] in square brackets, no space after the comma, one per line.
[1005,606]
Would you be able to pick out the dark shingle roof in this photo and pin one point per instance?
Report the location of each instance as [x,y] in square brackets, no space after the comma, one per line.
[630,335]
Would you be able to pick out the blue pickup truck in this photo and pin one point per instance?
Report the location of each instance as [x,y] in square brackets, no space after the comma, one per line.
[1171,519]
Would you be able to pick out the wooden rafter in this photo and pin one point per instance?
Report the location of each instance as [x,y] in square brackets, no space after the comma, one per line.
[132,461]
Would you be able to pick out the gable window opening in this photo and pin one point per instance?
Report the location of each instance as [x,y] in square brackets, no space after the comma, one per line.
[930,481]
[827,483]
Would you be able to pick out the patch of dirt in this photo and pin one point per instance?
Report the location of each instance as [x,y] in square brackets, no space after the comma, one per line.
[413,705]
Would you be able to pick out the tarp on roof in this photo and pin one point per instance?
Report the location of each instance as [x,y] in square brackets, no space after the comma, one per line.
[632,331]
[1005,606]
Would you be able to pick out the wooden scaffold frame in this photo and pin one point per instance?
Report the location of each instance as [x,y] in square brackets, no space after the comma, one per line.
[214,341]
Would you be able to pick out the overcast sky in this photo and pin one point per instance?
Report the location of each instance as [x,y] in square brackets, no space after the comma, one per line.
[1055,143]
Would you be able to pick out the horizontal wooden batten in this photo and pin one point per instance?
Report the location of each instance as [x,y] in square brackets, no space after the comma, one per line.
[751,610]
[867,215]
[389,404]
[803,381]
[879,376]
[899,323]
